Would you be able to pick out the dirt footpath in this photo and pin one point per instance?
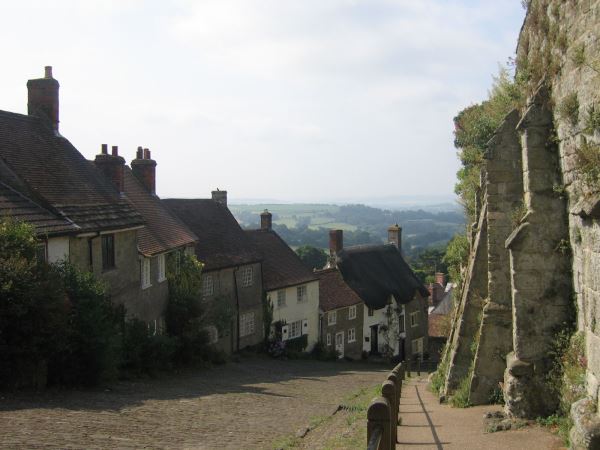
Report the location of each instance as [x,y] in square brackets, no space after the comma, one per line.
[245,405]
[428,425]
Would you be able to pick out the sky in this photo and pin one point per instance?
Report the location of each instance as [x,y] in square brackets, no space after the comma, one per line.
[289,100]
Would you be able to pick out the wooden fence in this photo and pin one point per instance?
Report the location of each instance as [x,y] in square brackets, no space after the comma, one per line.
[383,413]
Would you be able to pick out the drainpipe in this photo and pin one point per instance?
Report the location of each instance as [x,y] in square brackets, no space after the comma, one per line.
[237,307]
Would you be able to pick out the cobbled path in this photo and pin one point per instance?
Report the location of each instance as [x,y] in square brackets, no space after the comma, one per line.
[244,405]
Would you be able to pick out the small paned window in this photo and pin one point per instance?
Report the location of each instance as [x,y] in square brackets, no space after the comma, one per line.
[352,312]
[208,286]
[281,298]
[414,319]
[108,251]
[301,294]
[351,335]
[145,273]
[295,329]
[246,324]
[331,317]
[162,271]
[401,326]
[247,277]
[417,346]
[371,312]
[328,338]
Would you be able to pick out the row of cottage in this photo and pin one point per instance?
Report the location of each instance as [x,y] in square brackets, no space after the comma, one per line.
[104,216]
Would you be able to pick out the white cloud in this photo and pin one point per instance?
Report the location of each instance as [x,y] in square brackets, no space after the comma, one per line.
[268,98]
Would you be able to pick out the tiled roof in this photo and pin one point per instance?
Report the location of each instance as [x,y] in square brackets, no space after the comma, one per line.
[281,266]
[55,175]
[438,325]
[333,291]
[221,241]
[21,208]
[377,271]
[163,230]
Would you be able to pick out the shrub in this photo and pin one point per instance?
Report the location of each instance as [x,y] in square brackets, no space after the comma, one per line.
[32,308]
[143,353]
[460,397]
[92,351]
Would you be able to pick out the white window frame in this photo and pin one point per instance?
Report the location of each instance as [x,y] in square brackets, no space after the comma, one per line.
[162,267]
[208,285]
[417,346]
[351,335]
[281,298]
[352,312]
[247,276]
[331,318]
[247,324]
[329,339]
[295,329]
[301,294]
[145,273]
[414,319]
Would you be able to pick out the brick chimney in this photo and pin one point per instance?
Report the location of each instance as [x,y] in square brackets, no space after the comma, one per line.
[220,197]
[395,236]
[440,278]
[336,244]
[144,169]
[266,220]
[112,166]
[42,99]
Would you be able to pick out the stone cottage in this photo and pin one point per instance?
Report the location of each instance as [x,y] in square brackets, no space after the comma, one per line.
[291,288]
[79,215]
[394,300]
[232,280]
[341,311]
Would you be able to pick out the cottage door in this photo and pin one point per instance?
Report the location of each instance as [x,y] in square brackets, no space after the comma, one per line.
[374,339]
[339,343]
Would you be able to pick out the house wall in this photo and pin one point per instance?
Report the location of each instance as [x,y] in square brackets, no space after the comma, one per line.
[354,349]
[294,310]
[419,305]
[249,299]
[58,249]
[123,281]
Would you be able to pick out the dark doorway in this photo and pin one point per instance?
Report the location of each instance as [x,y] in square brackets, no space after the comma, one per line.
[374,339]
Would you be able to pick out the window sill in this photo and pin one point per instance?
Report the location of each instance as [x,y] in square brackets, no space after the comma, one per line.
[146,287]
[350,342]
[162,280]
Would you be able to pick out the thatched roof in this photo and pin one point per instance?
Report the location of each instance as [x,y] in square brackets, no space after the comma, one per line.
[375,272]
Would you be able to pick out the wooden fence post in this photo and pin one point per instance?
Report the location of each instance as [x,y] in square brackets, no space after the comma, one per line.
[394,379]
[388,390]
[378,419]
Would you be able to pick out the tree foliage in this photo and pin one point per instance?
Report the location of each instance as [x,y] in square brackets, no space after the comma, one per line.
[474,126]
[312,257]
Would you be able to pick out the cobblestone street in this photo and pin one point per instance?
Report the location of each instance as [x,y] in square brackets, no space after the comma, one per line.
[245,405]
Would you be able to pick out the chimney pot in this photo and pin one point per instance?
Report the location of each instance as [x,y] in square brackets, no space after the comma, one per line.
[144,169]
[220,197]
[266,220]
[48,72]
[440,278]
[104,148]
[395,236]
[115,150]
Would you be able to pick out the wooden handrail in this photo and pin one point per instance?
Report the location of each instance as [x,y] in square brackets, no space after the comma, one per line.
[378,417]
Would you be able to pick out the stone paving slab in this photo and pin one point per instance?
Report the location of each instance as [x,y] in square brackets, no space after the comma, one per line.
[245,405]
[427,425]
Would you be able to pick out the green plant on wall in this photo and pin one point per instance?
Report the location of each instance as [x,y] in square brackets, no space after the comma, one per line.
[568,109]
[588,163]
